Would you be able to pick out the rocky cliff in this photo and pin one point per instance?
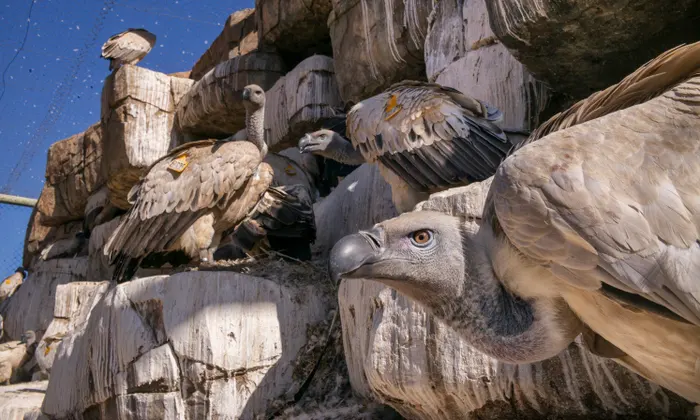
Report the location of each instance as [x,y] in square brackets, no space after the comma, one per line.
[270,337]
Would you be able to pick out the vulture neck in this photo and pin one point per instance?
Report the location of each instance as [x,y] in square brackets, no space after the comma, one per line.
[344,152]
[254,122]
[491,318]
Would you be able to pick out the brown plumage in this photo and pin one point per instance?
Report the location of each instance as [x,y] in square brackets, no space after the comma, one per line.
[285,217]
[603,216]
[128,47]
[221,182]
[430,137]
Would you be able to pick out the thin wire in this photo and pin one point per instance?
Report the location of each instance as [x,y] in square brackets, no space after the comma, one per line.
[19,50]
[58,102]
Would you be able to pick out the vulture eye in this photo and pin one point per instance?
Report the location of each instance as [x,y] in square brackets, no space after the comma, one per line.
[421,238]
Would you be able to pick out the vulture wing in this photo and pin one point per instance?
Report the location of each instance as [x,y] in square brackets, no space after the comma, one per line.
[432,136]
[128,46]
[166,202]
[613,204]
[648,81]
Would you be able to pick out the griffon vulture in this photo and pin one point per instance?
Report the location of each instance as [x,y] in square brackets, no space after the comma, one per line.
[195,193]
[285,217]
[128,47]
[335,155]
[424,136]
[598,222]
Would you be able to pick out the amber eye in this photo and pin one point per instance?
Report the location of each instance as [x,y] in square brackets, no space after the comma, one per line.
[422,238]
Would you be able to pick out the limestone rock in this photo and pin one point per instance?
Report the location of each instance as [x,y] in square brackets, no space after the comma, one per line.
[31,307]
[362,199]
[294,28]
[74,301]
[138,112]
[462,52]
[238,37]
[213,108]
[300,102]
[72,174]
[402,356]
[38,236]
[194,344]
[9,286]
[582,47]
[377,43]
[22,401]
[98,263]
[182,74]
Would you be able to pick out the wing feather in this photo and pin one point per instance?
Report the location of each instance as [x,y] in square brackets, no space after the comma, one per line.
[614,200]
[129,46]
[407,127]
[168,203]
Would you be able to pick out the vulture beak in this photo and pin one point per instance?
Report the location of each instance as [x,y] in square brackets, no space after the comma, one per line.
[353,255]
[306,143]
[246,94]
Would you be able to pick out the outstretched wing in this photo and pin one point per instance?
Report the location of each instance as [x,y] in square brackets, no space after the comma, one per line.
[167,202]
[432,136]
[613,204]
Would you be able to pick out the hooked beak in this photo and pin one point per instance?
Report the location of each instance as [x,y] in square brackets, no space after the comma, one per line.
[306,144]
[352,255]
[246,94]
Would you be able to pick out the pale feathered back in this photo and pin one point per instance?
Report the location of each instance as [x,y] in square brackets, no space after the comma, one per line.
[128,47]
[615,202]
[432,136]
[648,81]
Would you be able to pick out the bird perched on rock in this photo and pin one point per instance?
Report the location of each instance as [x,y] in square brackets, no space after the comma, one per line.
[284,216]
[14,354]
[425,138]
[11,283]
[195,193]
[337,157]
[597,223]
[128,47]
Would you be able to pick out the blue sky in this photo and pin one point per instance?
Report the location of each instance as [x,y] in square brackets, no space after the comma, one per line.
[60,33]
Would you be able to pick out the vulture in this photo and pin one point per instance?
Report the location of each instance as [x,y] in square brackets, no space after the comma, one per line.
[425,138]
[594,226]
[194,194]
[128,47]
[335,155]
[285,217]
[11,283]
[14,354]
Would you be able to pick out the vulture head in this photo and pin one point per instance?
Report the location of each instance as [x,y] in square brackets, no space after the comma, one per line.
[28,338]
[253,98]
[322,142]
[432,258]
[330,145]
